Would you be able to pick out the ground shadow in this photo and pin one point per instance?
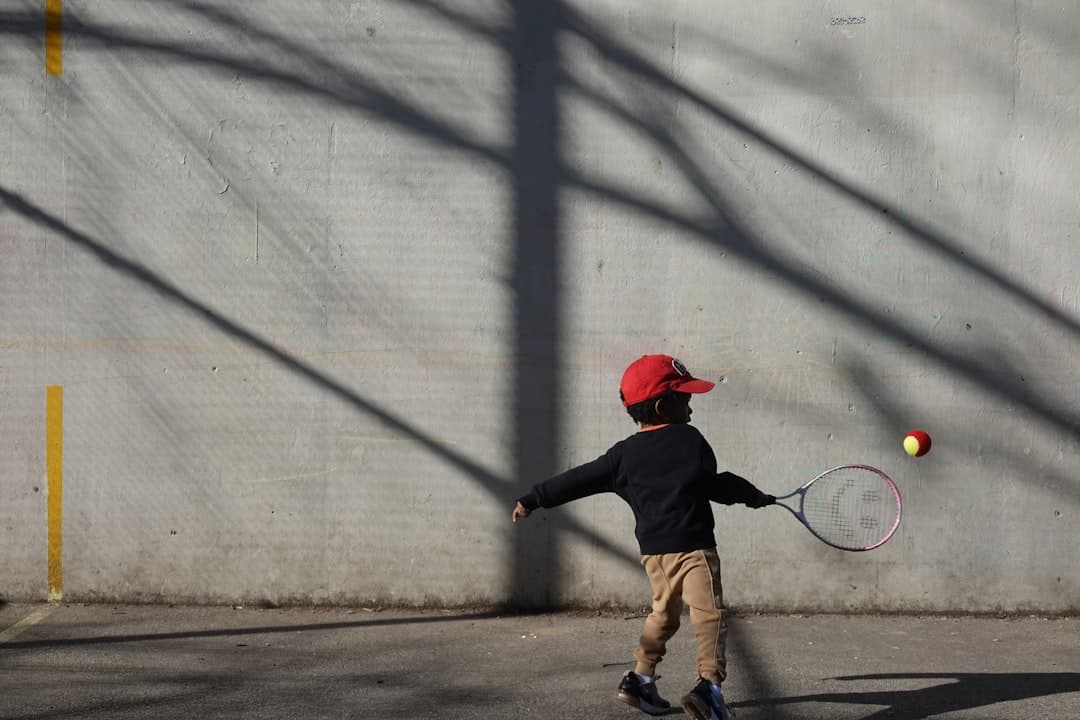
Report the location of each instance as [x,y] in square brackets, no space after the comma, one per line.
[261,630]
[958,691]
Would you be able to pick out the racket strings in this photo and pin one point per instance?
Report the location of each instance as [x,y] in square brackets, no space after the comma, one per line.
[851,507]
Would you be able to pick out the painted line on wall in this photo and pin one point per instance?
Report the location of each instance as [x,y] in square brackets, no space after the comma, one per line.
[54,467]
[25,624]
[54,37]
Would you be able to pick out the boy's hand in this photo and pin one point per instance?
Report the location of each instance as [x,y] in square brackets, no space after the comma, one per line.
[519,512]
[762,501]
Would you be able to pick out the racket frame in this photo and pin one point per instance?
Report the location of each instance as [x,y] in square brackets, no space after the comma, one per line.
[801,492]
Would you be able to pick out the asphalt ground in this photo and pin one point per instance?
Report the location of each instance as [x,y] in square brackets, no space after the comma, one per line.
[109,661]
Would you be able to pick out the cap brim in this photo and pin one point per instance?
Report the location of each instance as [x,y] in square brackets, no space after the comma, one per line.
[694,386]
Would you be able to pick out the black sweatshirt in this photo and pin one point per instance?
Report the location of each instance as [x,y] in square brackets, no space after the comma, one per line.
[667,475]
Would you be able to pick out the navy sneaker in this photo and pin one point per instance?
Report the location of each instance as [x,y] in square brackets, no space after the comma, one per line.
[701,704]
[642,695]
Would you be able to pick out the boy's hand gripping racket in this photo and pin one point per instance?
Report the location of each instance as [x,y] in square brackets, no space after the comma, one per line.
[850,507]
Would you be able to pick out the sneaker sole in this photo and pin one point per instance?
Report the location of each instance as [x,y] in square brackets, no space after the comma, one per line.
[695,708]
[636,702]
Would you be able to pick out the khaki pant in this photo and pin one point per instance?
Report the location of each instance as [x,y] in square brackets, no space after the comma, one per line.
[692,578]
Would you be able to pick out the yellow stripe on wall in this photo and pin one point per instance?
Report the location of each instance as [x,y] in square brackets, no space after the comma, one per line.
[54,466]
[54,38]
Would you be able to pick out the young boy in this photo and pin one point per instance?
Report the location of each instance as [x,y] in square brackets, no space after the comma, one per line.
[667,473]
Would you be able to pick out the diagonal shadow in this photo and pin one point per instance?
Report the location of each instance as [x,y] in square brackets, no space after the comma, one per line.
[931,239]
[726,231]
[487,480]
[342,87]
[959,691]
[17,204]
[888,405]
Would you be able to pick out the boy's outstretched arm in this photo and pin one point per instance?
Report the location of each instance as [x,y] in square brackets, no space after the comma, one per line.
[578,482]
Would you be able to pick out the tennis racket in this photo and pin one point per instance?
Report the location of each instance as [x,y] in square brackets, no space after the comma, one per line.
[850,507]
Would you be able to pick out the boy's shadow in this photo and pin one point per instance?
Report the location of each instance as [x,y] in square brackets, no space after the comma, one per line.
[964,692]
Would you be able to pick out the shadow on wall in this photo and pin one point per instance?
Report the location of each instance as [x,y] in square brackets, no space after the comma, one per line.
[487,480]
[725,231]
[535,168]
[538,174]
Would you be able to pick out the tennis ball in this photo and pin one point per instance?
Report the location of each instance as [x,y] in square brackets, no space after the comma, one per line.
[917,443]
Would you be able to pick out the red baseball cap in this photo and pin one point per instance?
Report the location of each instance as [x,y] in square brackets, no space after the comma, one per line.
[653,375]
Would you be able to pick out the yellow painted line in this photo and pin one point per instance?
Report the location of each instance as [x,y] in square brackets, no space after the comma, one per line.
[25,624]
[54,466]
[54,37]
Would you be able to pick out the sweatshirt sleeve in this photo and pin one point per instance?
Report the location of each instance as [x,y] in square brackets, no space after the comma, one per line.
[730,489]
[591,478]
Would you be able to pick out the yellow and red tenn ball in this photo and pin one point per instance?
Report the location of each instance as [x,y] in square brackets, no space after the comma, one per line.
[917,443]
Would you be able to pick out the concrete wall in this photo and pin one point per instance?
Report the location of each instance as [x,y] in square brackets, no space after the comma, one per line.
[328,284]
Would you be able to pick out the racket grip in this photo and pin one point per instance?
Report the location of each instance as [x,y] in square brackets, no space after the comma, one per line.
[762,500]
